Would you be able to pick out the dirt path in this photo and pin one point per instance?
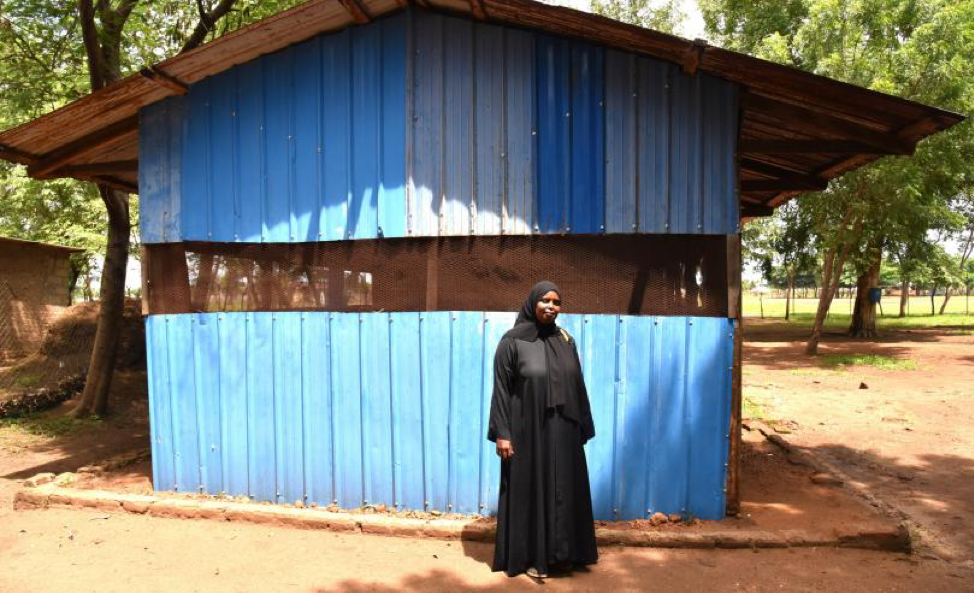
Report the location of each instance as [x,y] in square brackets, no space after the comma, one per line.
[907,437]
[56,550]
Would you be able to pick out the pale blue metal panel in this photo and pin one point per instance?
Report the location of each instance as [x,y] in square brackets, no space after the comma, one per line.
[377,444]
[464,413]
[318,418]
[262,456]
[206,342]
[160,402]
[232,372]
[182,381]
[288,408]
[347,409]
[435,348]
[392,408]
[407,411]
[495,326]
[597,350]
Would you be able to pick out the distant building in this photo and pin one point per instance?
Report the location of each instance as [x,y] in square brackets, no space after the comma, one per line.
[34,289]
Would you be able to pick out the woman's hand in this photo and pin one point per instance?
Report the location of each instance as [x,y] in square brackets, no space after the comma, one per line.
[505,449]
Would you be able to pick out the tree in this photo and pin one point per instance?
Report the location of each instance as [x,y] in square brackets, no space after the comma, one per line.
[919,49]
[52,53]
[666,17]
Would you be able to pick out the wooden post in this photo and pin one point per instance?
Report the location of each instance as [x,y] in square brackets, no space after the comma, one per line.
[735,312]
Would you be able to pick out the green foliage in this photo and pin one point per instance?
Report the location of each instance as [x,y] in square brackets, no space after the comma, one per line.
[39,425]
[664,16]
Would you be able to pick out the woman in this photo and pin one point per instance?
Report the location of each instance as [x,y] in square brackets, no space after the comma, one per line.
[539,419]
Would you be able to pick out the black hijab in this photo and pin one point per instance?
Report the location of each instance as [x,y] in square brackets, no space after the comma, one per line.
[559,353]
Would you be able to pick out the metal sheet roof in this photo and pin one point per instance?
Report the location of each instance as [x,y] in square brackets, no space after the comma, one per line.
[798,130]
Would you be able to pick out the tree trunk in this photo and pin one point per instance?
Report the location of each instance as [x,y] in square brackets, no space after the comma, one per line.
[101,367]
[933,305]
[904,297]
[863,323]
[788,291]
[834,262]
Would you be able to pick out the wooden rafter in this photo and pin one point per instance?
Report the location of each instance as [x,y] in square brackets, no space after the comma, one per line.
[809,147]
[158,76]
[478,10]
[111,182]
[106,168]
[10,153]
[795,183]
[50,163]
[356,11]
[828,124]
[693,56]
[756,211]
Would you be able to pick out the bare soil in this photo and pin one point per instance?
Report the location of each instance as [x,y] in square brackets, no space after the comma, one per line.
[904,436]
[55,550]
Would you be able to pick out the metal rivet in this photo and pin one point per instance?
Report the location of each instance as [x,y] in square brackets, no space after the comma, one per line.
[334,501]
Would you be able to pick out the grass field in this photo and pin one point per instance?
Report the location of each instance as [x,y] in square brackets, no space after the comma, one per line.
[918,312]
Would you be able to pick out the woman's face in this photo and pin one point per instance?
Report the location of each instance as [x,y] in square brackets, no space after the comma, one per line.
[548,307]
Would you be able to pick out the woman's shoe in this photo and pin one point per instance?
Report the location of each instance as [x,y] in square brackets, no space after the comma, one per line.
[534,573]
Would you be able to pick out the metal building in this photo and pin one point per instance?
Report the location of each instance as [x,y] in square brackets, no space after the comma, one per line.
[340,205]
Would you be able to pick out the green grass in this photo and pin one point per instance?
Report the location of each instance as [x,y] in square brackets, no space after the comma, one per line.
[753,410]
[840,313]
[880,361]
[46,426]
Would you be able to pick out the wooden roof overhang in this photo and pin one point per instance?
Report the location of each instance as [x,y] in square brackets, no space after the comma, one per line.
[797,130]
[39,245]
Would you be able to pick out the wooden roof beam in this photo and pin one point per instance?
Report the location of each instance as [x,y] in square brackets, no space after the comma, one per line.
[756,211]
[85,145]
[778,146]
[356,11]
[106,168]
[159,76]
[478,10]
[112,182]
[693,56]
[9,153]
[795,183]
[829,124]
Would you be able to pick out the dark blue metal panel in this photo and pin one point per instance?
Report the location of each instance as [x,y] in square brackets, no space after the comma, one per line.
[587,184]
[392,186]
[521,129]
[160,170]
[426,170]
[554,71]
[337,135]
[621,145]
[306,147]
[490,152]
[392,408]
[222,140]
[250,188]
[197,175]
[366,142]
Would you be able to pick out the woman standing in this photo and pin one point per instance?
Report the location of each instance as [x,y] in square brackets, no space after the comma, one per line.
[540,418]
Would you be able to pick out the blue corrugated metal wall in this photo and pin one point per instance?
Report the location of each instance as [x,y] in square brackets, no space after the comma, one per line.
[306,144]
[426,125]
[391,408]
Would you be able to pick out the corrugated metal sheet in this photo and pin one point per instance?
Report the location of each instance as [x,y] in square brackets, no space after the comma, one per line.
[305,144]
[391,408]
[427,125]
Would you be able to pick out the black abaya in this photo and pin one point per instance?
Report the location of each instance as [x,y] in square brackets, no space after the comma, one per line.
[544,514]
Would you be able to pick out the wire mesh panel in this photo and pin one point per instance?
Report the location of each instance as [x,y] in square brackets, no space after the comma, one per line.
[631,274]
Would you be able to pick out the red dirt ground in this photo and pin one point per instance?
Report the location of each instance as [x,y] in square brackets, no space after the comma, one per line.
[55,550]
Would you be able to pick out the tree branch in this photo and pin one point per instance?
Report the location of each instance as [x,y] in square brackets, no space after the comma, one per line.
[89,33]
[206,23]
